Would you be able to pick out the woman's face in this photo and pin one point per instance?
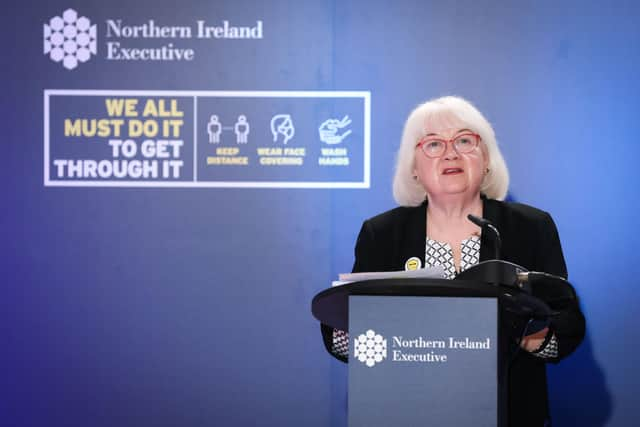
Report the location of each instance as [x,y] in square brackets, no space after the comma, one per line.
[453,173]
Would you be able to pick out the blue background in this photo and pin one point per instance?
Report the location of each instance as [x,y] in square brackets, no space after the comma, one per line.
[164,307]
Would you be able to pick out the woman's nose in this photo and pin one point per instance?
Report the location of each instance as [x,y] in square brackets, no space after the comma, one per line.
[449,151]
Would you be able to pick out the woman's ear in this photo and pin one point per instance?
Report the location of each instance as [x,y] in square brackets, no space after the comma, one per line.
[485,155]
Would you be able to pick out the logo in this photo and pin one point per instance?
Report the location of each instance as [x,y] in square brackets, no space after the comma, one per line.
[69,39]
[370,348]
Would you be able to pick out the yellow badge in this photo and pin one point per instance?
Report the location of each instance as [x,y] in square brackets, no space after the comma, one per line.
[413,263]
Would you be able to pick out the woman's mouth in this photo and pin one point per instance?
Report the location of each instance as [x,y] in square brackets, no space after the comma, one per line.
[451,171]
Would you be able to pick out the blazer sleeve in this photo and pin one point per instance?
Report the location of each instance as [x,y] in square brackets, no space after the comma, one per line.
[569,325]
[365,260]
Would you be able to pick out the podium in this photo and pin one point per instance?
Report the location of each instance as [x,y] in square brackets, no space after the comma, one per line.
[435,351]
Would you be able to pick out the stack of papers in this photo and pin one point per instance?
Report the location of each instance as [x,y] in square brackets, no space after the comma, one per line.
[436,272]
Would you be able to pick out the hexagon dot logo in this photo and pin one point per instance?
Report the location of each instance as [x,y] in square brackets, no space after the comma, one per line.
[370,348]
[70,39]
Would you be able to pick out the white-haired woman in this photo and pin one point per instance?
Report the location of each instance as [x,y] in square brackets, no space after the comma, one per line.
[449,166]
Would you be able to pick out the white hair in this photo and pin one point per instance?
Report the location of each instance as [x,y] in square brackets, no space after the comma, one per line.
[447,111]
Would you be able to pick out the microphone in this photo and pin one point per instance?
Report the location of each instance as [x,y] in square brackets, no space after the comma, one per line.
[483,223]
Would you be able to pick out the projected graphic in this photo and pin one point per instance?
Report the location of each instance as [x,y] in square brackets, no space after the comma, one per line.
[206,139]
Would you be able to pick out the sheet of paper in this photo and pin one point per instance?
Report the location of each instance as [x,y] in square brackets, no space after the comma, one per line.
[436,272]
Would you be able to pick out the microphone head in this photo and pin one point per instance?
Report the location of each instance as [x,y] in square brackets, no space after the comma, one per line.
[480,222]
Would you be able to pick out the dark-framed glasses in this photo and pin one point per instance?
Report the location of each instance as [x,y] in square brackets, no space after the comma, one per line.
[434,146]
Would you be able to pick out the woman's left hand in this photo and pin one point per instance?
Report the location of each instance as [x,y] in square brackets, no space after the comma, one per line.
[534,341]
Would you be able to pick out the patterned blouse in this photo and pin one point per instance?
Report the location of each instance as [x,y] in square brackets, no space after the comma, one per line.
[440,253]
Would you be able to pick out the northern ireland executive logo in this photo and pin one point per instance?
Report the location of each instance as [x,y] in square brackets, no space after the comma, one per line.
[370,348]
[70,39]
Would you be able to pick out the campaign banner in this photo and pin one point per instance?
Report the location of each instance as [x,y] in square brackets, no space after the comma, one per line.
[252,139]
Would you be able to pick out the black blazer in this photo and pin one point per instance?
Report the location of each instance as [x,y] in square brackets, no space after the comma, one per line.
[529,238]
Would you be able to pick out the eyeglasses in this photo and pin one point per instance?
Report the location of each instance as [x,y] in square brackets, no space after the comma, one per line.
[434,147]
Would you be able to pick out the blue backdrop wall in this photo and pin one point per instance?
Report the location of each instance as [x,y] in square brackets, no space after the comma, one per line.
[187,301]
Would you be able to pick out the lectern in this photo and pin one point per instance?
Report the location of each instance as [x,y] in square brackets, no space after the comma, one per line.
[436,351]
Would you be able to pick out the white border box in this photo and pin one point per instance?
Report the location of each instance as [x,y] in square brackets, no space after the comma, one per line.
[365,183]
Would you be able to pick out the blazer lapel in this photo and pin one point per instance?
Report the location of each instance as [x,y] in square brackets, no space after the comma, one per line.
[413,241]
[414,237]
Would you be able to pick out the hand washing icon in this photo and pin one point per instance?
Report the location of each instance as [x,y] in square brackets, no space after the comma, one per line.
[329,130]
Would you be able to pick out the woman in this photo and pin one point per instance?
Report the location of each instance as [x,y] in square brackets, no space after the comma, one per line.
[449,166]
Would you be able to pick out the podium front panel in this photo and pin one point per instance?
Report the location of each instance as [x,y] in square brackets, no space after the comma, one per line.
[417,361]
